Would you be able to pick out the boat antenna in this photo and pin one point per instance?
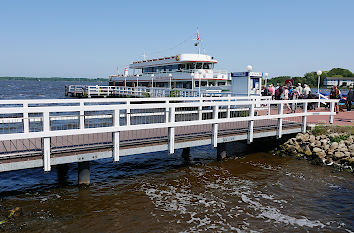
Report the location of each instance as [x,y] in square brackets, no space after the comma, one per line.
[198,41]
[144,56]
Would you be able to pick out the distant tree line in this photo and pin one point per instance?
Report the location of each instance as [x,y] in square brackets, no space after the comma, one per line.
[310,78]
[57,79]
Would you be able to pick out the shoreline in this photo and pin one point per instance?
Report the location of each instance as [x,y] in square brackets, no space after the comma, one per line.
[323,145]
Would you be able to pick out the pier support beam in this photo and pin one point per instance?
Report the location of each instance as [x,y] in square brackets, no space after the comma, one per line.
[62,173]
[83,173]
[186,154]
[221,151]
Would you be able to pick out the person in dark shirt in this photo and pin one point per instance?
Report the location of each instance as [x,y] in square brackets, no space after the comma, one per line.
[335,95]
[350,98]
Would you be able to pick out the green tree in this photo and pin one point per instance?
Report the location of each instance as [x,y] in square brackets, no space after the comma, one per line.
[340,71]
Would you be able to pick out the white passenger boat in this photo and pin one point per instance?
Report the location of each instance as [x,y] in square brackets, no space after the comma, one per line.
[182,71]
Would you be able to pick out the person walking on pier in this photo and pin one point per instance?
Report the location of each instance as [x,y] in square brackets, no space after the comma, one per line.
[350,98]
[306,91]
[286,96]
[335,94]
[299,89]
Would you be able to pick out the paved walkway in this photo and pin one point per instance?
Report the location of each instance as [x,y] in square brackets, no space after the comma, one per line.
[342,118]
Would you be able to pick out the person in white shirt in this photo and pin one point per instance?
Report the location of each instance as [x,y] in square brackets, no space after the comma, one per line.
[306,91]
[299,89]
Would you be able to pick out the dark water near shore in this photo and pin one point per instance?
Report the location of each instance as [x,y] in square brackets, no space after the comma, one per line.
[156,192]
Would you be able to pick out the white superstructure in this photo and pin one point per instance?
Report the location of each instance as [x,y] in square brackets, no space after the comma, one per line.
[186,70]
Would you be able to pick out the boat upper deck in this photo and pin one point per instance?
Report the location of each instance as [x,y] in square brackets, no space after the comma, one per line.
[178,59]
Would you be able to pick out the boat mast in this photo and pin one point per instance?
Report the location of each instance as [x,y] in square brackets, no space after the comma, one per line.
[198,41]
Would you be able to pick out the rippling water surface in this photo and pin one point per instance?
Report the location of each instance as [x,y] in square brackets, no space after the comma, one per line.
[249,191]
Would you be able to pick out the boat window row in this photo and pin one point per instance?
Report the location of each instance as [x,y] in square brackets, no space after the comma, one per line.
[179,67]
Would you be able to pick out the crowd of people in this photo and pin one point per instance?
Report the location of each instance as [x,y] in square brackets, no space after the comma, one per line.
[290,92]
[287,92]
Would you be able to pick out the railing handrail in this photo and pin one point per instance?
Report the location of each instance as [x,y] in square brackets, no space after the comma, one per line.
[50,133]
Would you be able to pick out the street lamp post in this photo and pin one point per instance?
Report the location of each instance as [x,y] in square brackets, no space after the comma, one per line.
[137,81]
[318,86]
[192,74]
[265,79]
[152,84]
[152,80]
[170,75]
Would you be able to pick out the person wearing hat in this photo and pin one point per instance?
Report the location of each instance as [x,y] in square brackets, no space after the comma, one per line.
[306,91]
[299,88]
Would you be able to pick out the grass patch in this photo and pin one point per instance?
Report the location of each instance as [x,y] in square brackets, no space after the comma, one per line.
[328,129]
[339,138]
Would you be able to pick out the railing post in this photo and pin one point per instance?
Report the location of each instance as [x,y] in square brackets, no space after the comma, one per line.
[200,111]
[115,136]
[82,115]
[25,118]
[167,112]
[46,142]
[215,127]
[331,117]
[304,118]
[268,109]
[280,120]
[250,124]
[228,108]
[171,132]
[127,116]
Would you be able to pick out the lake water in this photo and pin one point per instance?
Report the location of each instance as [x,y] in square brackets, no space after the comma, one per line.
[251,190]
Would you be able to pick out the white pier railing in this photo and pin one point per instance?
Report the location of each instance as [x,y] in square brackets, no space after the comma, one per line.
[50,120]
[121,91]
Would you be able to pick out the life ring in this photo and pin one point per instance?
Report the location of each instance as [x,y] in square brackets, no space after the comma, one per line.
[177,58]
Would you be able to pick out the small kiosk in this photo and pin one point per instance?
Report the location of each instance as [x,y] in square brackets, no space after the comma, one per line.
[246,83]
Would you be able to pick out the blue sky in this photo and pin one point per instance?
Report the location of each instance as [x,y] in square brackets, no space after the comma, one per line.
[93,38]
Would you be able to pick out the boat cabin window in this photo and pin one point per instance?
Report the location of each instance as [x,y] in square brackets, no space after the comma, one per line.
[190,66]
[183,66]
[208,66]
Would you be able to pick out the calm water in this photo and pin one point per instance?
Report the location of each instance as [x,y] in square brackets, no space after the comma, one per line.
[249,191]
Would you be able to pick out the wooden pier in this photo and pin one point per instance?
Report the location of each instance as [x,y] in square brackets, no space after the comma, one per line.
[42,133]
